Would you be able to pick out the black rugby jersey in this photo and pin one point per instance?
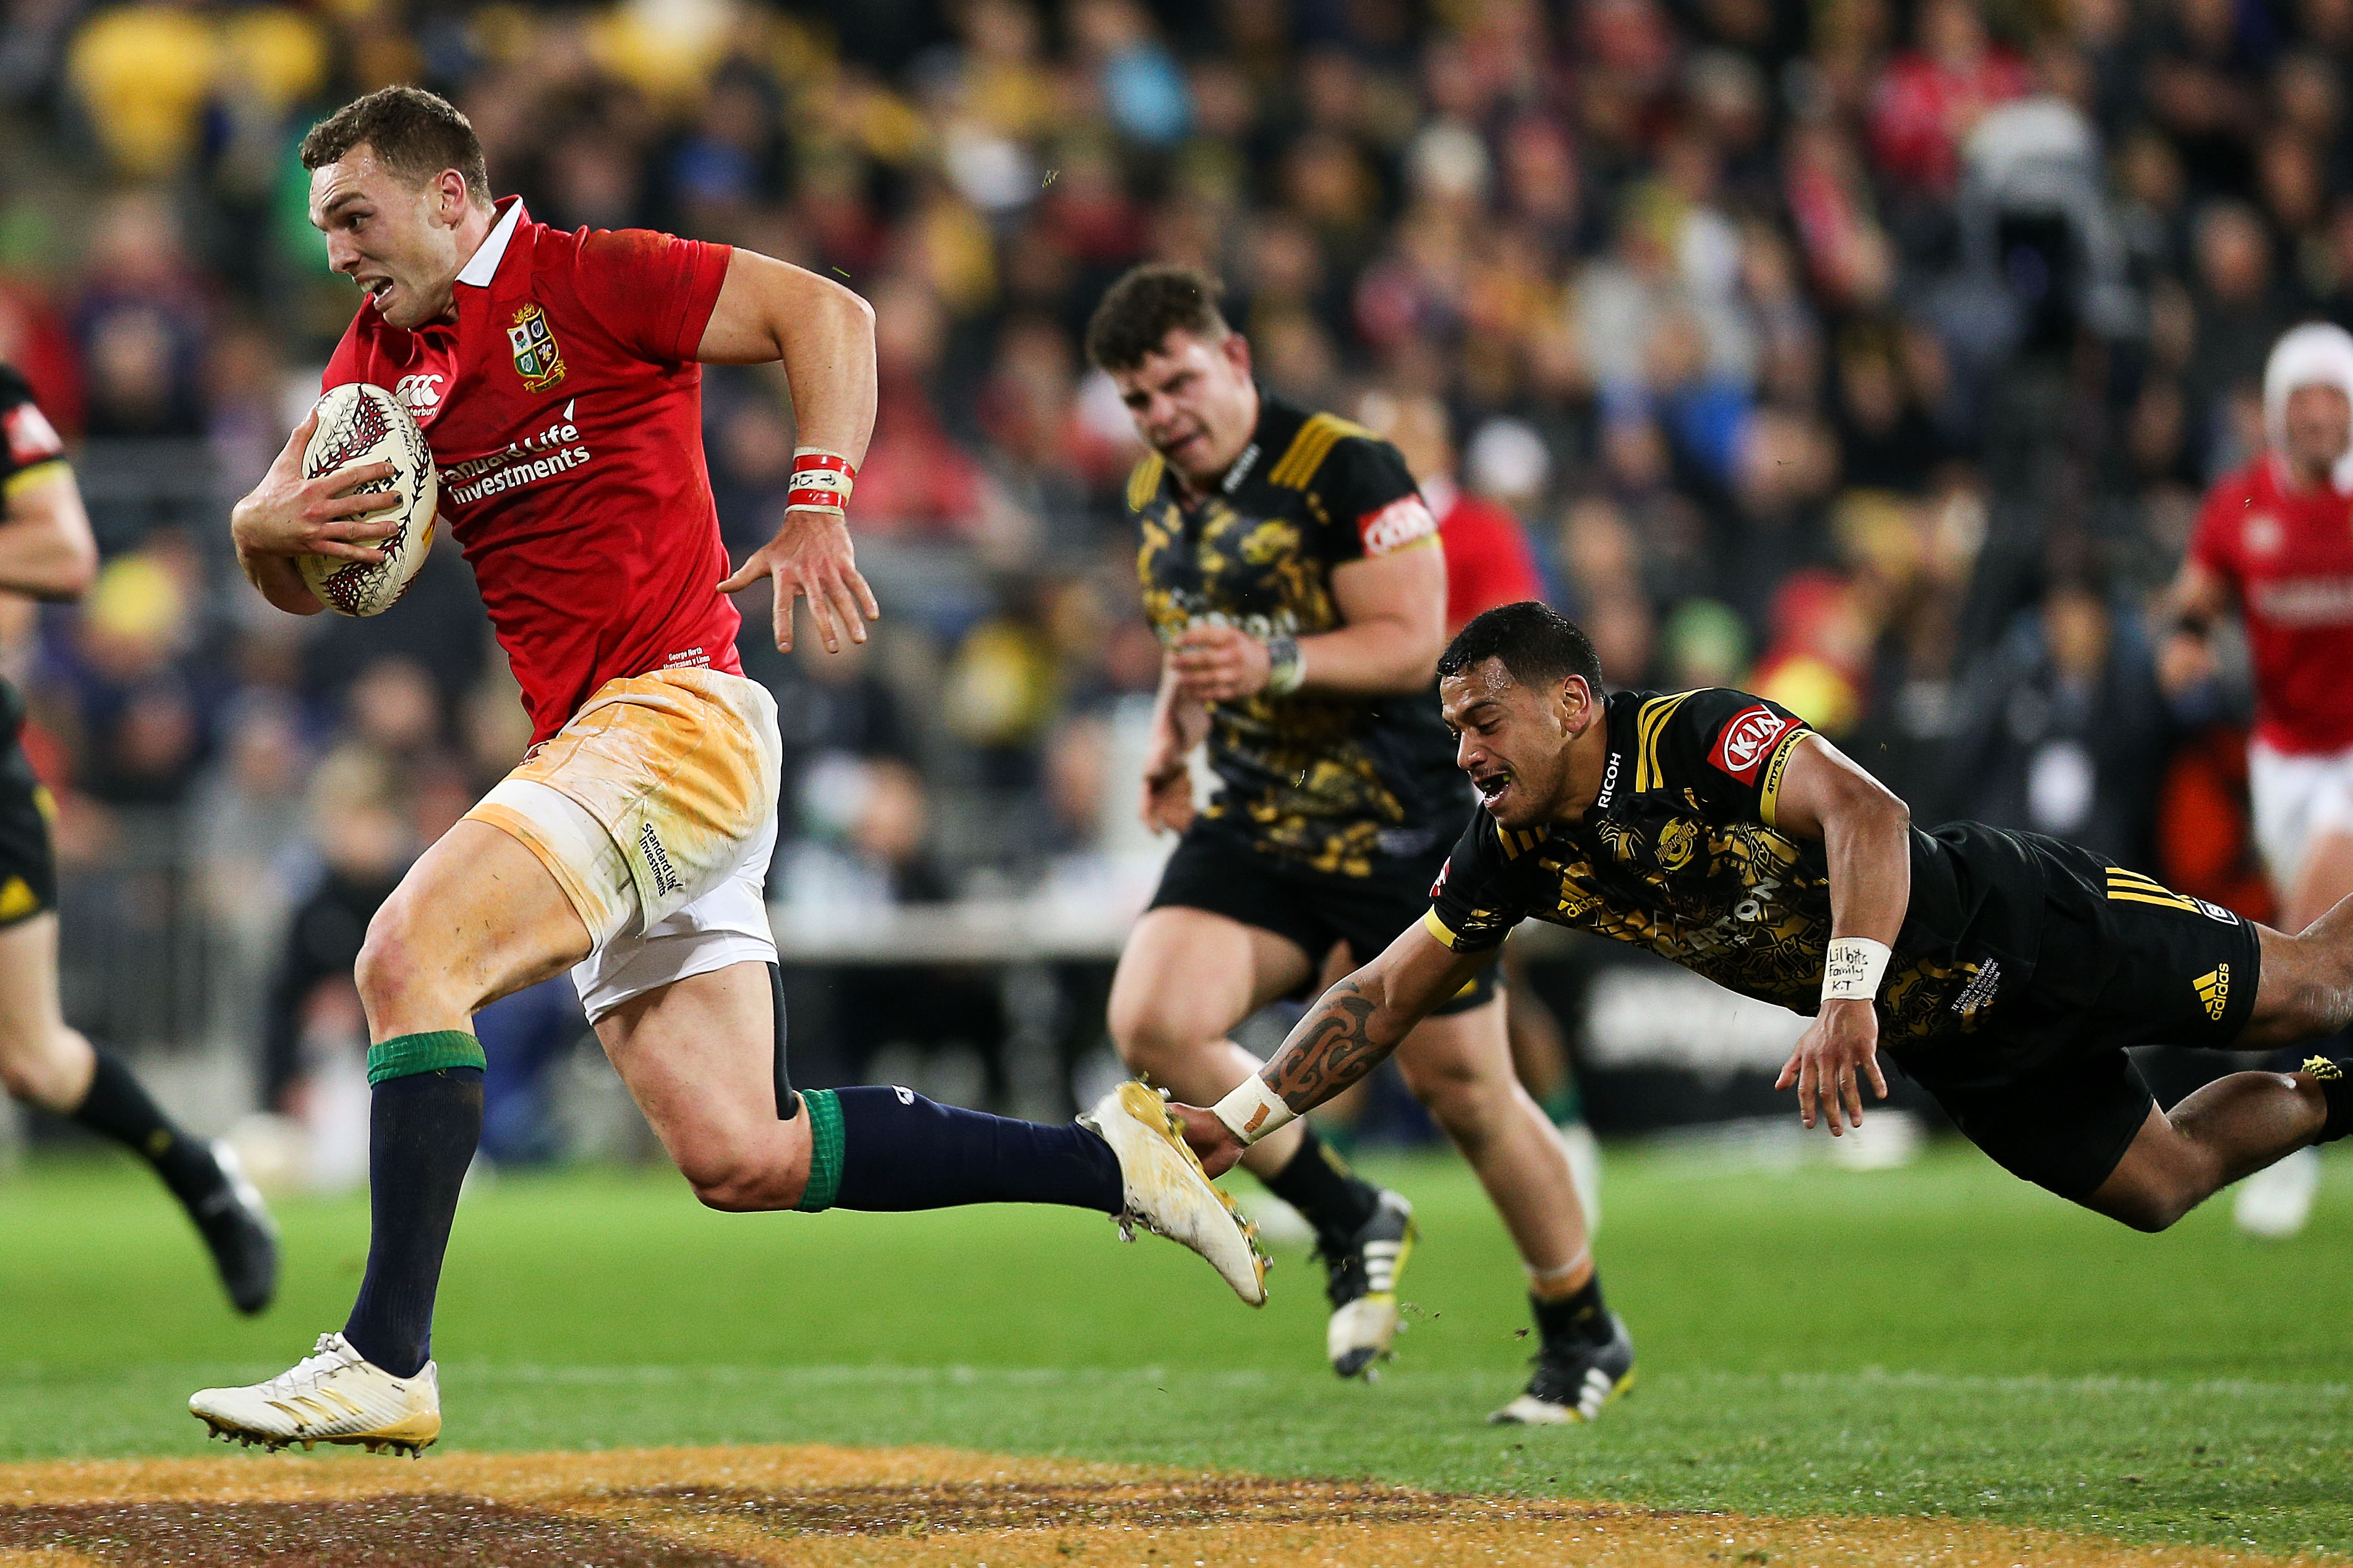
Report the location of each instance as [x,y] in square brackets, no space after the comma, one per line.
[1339,783]
[1680,854]
[29,447]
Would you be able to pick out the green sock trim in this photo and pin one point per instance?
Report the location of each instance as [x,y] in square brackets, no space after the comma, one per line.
[405,1056]
[825,1149]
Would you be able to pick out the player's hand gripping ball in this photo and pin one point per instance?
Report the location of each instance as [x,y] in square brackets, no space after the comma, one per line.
[359,425]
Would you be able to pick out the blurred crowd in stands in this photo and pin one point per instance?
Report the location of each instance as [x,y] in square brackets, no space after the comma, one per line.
[1871,355]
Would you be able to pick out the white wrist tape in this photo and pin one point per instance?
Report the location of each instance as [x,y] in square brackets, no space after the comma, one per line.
[1252,1111]
[1852,969]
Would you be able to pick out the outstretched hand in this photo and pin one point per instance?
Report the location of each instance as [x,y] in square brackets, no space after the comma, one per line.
[812,555]
[1837,1051]
[1209,1138]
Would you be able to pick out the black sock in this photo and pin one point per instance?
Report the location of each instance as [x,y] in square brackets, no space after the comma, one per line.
[422,1129]
[2335,1080]
[117,1106]
[900,1152]
[1326,1193]
[1580,1319]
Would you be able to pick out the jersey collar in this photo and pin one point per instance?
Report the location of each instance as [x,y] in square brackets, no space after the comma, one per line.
[483,265]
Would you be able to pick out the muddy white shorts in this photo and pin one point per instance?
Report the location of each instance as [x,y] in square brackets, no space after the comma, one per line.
[654,811]
[2296,797]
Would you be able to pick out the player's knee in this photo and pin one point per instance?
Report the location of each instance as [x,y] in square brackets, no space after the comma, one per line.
[391,972]
[1153,1043]
[1454,1092]
[727,1180]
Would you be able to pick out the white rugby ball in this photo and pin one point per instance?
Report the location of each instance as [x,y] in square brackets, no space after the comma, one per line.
[360,424]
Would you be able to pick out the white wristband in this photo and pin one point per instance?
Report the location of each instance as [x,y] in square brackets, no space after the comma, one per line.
[1252,1111]
[1851,968]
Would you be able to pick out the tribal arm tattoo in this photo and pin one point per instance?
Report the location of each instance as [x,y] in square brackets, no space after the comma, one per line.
[1336,1043]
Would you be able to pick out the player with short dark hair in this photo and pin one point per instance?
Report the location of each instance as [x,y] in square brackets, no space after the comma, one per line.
[1293,572]
[556,378]
[46,553]
[2005,972]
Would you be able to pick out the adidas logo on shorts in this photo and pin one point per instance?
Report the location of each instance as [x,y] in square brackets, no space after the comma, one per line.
[2214,990]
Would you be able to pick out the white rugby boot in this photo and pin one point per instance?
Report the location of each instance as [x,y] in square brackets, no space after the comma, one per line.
[1166,1191]
[2275,1202]
[334,1395]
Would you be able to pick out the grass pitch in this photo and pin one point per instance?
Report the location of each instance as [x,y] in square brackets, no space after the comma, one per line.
[1937,1340]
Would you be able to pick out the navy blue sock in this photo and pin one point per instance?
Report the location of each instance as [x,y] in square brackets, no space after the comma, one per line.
[900,1150]
[422,1129]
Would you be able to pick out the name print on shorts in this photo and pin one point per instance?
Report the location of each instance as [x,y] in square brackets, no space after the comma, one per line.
[650,845]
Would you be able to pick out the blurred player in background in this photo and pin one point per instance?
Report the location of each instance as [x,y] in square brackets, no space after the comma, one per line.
[1489,563]
[46,553]
[1293,572]
[557,379]
[2007,973]
[2274,543]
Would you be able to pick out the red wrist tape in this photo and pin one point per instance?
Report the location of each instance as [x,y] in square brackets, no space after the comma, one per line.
[821,480]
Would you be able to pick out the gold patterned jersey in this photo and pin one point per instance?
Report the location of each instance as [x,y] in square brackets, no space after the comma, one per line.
[1337,783]
[1680,853]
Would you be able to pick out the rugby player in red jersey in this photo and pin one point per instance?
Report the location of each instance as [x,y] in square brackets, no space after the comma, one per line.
[556,378]
[2276,544]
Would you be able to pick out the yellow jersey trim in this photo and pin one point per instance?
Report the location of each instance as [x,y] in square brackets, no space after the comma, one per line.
[26,479]
[1143,481]
[1437,928]
[1648,725]
[1297,465]
[1768,799]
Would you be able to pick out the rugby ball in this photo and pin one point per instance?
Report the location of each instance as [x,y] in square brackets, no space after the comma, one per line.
[360,424]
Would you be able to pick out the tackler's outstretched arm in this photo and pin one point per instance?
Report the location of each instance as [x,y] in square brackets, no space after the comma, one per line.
[1348,1034]
[1866,833]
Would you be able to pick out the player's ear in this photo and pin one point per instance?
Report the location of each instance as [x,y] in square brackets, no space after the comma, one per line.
[1236,348]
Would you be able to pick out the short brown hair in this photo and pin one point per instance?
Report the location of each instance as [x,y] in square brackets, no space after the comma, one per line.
[1144,307]
[415,134]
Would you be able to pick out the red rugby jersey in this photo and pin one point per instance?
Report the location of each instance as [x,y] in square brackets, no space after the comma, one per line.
[1488,558]
[565,410]
[2287,555]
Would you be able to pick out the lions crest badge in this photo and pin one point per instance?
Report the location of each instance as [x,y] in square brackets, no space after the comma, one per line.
[537,358]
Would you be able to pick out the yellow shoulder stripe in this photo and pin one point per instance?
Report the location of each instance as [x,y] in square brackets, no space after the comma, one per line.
[1308,449]
[1143,481]
[26,479]
[2132,887]
[1768,787]
[1648,726]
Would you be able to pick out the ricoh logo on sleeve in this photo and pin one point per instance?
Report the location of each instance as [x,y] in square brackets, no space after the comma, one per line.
[1747,741]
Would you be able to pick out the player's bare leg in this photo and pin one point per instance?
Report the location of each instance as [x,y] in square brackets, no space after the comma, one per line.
[45,1062]
[1459,1065]
[2243,1123]
[699,1059]
[1186,979]
[477,917]
[699,1055]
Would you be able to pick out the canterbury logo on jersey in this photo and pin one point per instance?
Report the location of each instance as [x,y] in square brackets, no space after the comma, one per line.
[2214,990]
